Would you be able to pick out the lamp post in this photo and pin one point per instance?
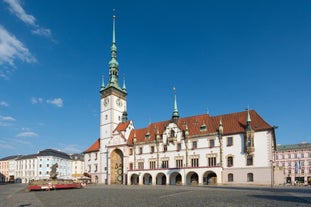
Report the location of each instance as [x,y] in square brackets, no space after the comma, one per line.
[272,173]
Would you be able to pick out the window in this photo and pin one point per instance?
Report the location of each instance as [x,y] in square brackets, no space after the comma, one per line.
[230,161]
[89,168]
[165,164]
[95,168]
[140,165]
[95,156]
[195,162]
[178,146]
[47,165]
[152,164]
[40,165]
[172,133]
[131,151]
[164,148]
[250,177]
[302,155]
[249,160]
[229,141]
[230,177]
[179,163]
[211,143]
[212,161]
[289,171]
[194,145]
[140,150]
[131,166]
[152,149]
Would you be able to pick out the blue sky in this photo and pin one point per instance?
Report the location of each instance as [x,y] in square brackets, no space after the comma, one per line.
[222,56]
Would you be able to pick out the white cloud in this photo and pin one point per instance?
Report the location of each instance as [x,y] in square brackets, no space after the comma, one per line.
[12,49]
[27,134]
[56,101]
[6,145]
[35,100]
[4,104]
[16,8]
[42,32]
[6,118]
[72,149]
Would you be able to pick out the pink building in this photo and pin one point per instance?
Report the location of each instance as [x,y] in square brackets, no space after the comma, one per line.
[295,161]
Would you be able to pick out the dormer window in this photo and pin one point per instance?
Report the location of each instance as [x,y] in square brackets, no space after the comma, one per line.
[203,127]
[148,135]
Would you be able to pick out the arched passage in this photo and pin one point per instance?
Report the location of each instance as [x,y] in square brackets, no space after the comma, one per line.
[192,178]
[116,167]
[147,179]
[134,179]
[175,178]
[209,178]
[161,179]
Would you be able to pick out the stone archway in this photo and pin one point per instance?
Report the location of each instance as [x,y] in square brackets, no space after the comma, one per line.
[116,167]
[147,179]
[134,179]
[210,178]
[161,179]
[192,178]
[175,179]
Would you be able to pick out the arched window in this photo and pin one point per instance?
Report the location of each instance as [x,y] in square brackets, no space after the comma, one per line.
[230,177]
[250,177]
[172,133]
[230,161]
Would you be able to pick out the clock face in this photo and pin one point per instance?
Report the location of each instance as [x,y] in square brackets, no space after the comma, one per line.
[119,102]
[106,101]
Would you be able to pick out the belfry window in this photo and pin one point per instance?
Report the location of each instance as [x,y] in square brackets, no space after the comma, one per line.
[230,161]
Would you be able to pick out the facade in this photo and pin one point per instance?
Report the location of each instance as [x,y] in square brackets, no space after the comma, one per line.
[77,165]
[235,148]
[92,161]
[38,166]
[295,162]
[7,169]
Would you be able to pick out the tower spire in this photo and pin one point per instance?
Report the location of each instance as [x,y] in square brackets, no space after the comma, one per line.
[248,121]
[175,115]
[113,63]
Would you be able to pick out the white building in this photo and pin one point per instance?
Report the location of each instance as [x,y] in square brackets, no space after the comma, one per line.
[232,148]
[38,166]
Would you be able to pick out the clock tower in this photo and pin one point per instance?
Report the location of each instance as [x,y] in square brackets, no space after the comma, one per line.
[112,106]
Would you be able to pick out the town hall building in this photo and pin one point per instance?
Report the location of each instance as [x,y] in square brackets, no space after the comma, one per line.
[235,148]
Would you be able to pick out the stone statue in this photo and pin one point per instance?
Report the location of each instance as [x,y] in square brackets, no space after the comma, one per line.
[53,174]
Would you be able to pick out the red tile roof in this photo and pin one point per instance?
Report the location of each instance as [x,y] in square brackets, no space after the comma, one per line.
[233,123]
[94,147]
[122,126]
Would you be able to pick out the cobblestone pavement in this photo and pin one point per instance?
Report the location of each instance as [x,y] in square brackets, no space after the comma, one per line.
[102,195]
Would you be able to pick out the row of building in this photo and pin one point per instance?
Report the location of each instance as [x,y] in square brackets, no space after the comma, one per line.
[234,148]
[23,168]
[291,165]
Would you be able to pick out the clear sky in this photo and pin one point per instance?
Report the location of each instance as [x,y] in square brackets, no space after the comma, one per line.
[222,57]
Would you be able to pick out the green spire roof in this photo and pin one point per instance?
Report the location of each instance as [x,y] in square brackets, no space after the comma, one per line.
[175,112]
[113,63]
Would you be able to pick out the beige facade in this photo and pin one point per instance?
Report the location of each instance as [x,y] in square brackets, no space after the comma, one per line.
[295,162]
